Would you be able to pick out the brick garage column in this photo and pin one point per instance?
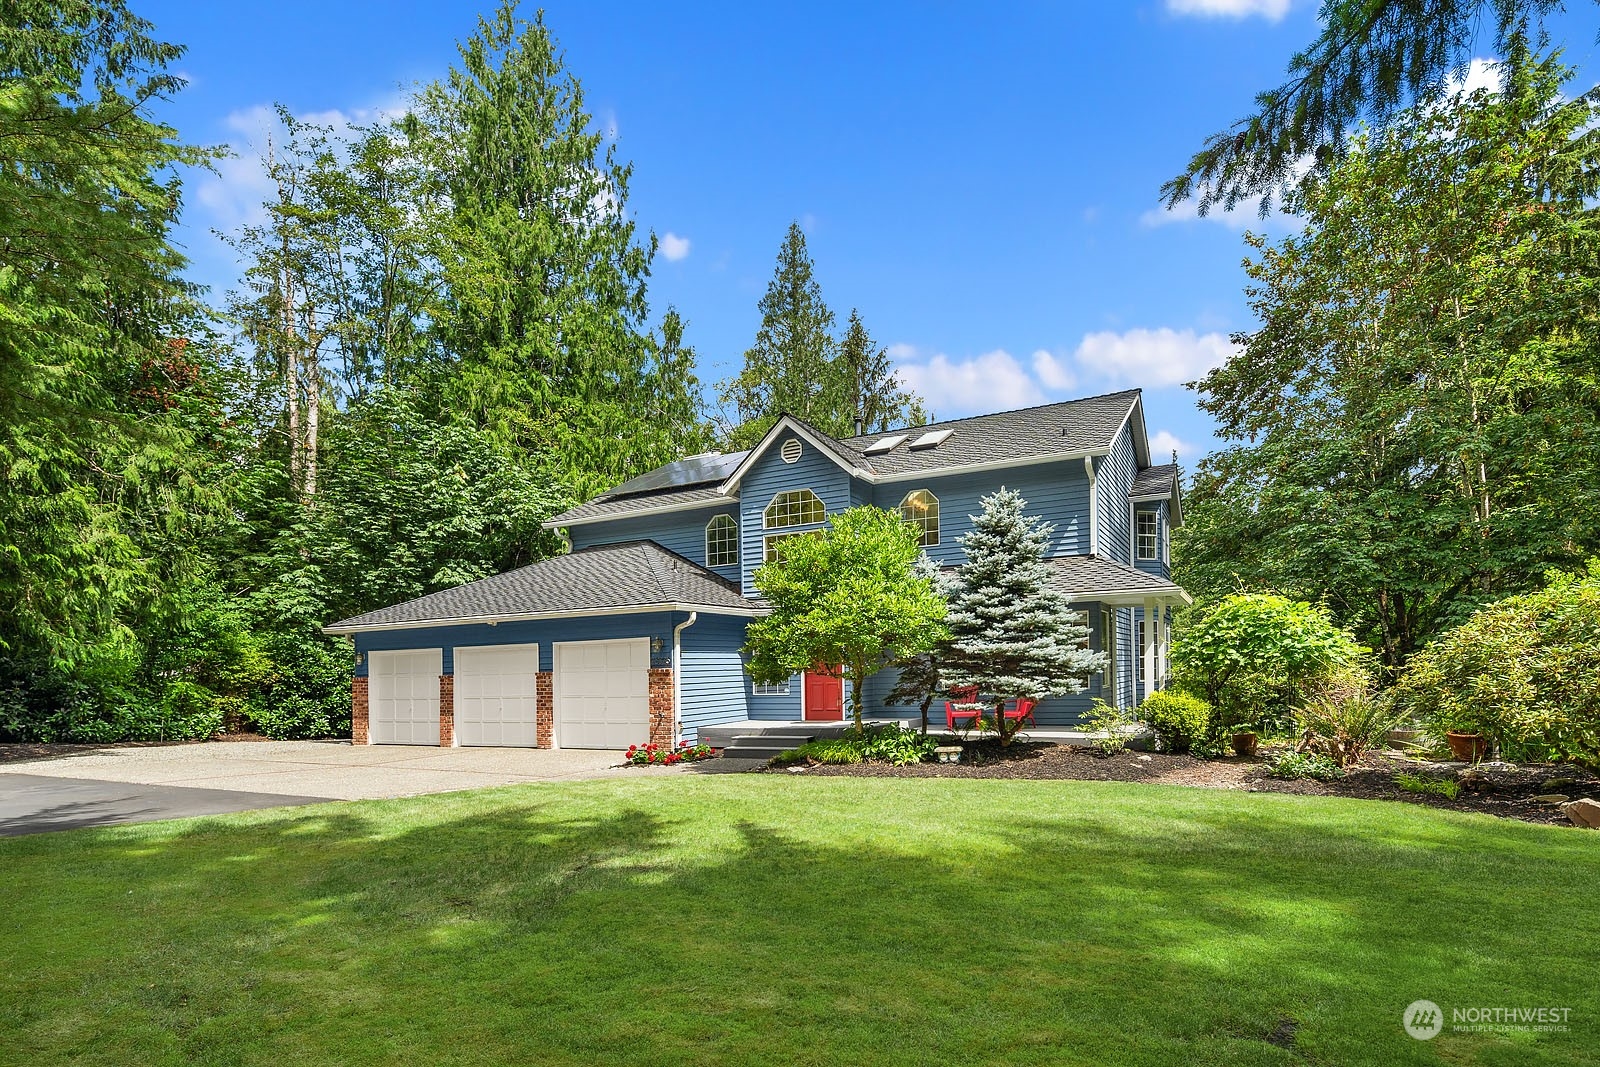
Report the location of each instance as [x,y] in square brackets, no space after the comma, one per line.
[447,711]
[661,724]
[545,710]
[358,711]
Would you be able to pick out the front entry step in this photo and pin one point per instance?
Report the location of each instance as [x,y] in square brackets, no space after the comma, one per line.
[764,745]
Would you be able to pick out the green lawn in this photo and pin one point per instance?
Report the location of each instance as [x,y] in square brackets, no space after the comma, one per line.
[734,919]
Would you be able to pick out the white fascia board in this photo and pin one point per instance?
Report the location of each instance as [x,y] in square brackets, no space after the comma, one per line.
[794,425]
[531,616]
[988,465]
[1123,598]
[1141,440]
[662,509]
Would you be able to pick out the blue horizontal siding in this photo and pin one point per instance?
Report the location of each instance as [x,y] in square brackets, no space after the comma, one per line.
[1056,492]
[770,476]
[683,532]
[713,688]
[1114,474]
[1161,566]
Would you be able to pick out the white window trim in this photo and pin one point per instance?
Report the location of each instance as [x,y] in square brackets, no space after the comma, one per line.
[1155,536]
[779,690]
[938,518]
[716,520]
[766,523]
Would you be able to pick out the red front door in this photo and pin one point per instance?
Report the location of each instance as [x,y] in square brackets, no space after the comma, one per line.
[824,695]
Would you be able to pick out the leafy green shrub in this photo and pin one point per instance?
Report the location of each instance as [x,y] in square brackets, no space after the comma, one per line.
[899,745]
[1112,724]
[1254,653]
[1418,783]
[1524,672]
[893,743]
[1303,765]
[1343,726]
[1180,721]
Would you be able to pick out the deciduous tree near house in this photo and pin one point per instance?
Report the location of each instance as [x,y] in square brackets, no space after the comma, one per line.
[1414,430]
[850,595]
[1011,634]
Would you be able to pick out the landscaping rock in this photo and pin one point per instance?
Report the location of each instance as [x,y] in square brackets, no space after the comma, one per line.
[1496,776]
[1583,813]
[1552,798]
[1556,785]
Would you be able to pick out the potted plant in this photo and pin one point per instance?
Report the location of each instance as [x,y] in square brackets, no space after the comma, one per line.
[1467,746]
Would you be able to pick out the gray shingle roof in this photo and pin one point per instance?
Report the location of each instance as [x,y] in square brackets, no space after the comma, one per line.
[1083,425]
[1089,577]
[1070,426]
[632,574]
[1156,481]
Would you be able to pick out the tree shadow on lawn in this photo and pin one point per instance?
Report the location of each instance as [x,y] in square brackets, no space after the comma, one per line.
[790,924]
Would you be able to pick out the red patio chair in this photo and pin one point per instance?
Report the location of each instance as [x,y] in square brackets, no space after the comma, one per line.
[1021,711]
[964,695]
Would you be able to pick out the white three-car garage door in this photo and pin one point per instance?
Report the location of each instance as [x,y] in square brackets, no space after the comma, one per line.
[602,693]
[497,695]
[403,696]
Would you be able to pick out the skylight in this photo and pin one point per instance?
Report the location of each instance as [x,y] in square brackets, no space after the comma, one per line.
[884,444]
[929,440]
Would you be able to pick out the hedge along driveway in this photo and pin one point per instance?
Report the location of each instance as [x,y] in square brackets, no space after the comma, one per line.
[759,919]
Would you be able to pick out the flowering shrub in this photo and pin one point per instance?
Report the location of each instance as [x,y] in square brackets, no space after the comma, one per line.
[645,755]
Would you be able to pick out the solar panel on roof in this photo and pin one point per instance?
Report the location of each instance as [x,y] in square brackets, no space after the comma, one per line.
[681,473]
[884,444]
[929,440]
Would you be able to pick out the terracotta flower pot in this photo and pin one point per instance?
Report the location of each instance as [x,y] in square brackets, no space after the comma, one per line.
[1244,744]
[1469,748]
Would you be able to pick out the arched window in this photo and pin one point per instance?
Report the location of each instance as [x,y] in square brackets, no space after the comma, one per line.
[722,542]
[921,509]
[797,507]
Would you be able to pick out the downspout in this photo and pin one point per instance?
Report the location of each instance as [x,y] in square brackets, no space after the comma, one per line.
[1094,507]
[677,675]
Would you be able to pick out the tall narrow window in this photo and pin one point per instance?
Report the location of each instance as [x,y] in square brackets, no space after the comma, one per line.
[797,507]
[921,509]
[1108,645]
[722,542]
[1148,535]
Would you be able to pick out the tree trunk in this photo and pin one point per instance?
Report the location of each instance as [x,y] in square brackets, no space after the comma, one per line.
[291,373]
[855,694]
[927,702]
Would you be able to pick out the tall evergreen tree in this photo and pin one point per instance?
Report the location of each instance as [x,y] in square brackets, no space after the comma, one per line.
[786,370]
[1011,633]
[544,311]
[798,367]
[1372,60]
[871,399]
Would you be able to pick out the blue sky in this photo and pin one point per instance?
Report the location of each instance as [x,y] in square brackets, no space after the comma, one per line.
[982,188]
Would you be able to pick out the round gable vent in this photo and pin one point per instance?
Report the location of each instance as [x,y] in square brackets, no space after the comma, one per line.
[791,450]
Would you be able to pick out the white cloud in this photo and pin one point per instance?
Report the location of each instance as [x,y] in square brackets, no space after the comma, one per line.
[1271,10]
[1163,444]
[1152,358]
[233,196]
[994,381]
[1053,371]
[674,247]
[1241,216]
[1480,74]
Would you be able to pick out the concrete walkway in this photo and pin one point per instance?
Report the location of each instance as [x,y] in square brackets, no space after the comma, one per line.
[334,770]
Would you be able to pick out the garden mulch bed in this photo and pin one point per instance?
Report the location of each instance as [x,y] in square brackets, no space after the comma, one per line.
[1373,779]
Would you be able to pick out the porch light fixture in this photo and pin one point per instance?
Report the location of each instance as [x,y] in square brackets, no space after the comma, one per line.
[657,644]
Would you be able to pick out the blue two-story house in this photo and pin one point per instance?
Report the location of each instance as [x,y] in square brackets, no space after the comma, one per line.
[635,634]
